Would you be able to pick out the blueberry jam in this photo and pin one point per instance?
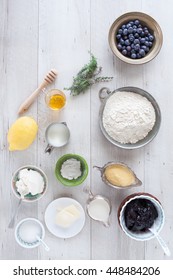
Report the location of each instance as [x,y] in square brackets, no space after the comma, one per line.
[140,215]
[134,39]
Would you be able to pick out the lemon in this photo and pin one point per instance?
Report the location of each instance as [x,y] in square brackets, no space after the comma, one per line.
[22,133]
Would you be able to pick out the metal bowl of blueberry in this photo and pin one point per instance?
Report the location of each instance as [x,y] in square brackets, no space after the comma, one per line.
[135,38]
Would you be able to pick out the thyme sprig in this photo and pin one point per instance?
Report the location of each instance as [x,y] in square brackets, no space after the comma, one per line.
[86,77]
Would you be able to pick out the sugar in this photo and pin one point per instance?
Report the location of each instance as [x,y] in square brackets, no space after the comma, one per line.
[29,230]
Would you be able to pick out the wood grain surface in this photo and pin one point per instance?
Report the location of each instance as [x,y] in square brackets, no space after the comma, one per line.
[38,35]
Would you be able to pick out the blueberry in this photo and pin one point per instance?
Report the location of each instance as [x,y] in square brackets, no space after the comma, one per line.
[143,47]
[128,54]
[123,47]
[123,26]
[124,52]
[140,25]
[128,48]
[118,36]
[130,30]
[125,31]
[146,38]
[147,49]
[120,31]
[133,51]
[137,22]
[125,37]
[136,41]
[134,31]
[151,38]
[146,43]
[131,22]
[132,46]
[138,55]
[119,47]
[150,44]
[133,55]
[142,52]
[146,32]
[131,39]
[136,47]
[127,42]
[142,34]
[134,27]
[136,35]
[121,41]
[128,25]
[139,30]
[142,40]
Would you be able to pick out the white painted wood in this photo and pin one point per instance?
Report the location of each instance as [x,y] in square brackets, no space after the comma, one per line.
[36,36]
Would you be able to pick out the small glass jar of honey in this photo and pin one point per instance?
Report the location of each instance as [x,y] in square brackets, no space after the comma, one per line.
[55,99]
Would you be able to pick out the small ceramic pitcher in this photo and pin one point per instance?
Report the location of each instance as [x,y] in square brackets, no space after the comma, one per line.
[99,198]
[58,140]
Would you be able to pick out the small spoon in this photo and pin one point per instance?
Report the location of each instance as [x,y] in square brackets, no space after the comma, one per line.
[161,241]
[43,243]
[12,221]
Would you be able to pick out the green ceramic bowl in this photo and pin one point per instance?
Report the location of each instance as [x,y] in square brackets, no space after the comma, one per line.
[74,182]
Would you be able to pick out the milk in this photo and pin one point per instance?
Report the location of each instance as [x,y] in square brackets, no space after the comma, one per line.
[99,209]
[57,135]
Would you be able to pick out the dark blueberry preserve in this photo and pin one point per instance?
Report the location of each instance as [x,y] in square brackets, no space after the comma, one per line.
[140,214]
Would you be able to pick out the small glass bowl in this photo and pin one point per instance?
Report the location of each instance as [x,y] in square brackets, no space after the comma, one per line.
[55,99]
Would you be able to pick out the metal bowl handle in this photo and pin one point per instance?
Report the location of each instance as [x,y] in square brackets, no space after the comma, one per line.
[49,149]
[104,93]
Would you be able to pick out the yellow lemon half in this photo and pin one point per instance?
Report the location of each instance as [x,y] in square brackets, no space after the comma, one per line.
[22,133]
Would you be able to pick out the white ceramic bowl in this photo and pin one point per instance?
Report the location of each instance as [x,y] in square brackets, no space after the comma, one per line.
[23,241]
[158,224]
[29,197]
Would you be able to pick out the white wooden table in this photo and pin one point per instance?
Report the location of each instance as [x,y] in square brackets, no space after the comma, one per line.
[38,35]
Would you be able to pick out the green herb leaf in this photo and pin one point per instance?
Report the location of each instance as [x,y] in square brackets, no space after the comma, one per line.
[86,77]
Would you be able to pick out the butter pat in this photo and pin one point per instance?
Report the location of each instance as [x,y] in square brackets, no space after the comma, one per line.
[119,175]
[67,216]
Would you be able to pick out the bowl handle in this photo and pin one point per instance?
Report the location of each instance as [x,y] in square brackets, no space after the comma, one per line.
[49,149]
[103,93]
[99,168]
[88,191]
[106,223]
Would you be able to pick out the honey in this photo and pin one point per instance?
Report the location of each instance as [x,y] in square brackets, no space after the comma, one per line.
[55,99]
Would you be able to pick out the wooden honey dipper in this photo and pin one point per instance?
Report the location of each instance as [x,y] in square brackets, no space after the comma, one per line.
[49,78]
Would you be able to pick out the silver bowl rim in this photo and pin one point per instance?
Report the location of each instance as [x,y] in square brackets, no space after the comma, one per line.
[151,135]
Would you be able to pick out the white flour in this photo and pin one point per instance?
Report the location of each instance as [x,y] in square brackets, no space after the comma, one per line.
[128,117]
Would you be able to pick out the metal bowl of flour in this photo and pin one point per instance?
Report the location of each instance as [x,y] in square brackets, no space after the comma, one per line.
[105,94]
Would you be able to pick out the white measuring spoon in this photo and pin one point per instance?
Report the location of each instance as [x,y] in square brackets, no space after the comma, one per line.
[161,241]
[43,243]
